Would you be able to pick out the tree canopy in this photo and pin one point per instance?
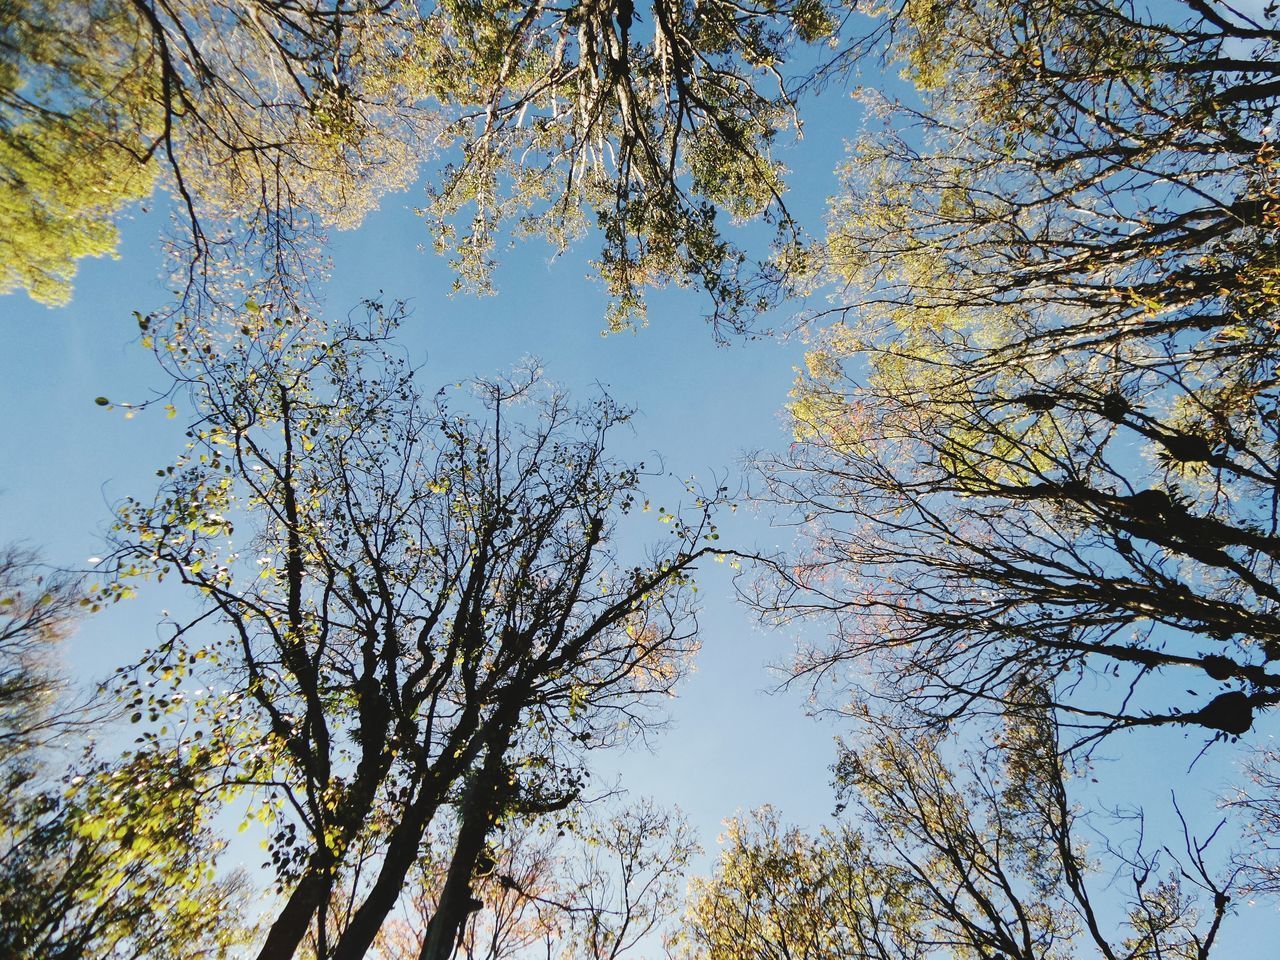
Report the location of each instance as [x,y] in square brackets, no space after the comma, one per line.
[113,860]
[1041,440]
[272,120]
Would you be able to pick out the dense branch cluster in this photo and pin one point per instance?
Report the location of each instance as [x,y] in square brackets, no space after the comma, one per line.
[1043,440]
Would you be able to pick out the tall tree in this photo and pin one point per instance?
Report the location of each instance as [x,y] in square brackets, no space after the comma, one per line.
[38,607]
[601,886]
[267,120]
[1041,441]
[116,864]
[67,165]
[423,611]
[1258,805]
[977,860]
[109,863]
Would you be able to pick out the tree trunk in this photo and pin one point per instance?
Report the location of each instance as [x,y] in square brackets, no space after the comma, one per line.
[402,852]
[290,924]
[478,816]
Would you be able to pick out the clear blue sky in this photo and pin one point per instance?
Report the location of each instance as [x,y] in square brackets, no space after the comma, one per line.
[732,745]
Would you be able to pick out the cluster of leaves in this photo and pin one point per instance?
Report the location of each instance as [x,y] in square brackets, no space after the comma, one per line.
[67,167]
[275,115]
[117,865]
[645,128]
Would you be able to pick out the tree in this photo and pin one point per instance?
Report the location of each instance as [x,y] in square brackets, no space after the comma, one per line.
[116,866]
[37,609]
[520,893]
[69,164]
[624,883]
[113,862]
[1041,443]
[976,860]
[274,120]
[1258,806]
[597,888]
[423,612]
[248,109]
[642,127]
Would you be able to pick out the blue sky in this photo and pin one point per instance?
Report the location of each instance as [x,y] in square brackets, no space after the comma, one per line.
[732,744]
